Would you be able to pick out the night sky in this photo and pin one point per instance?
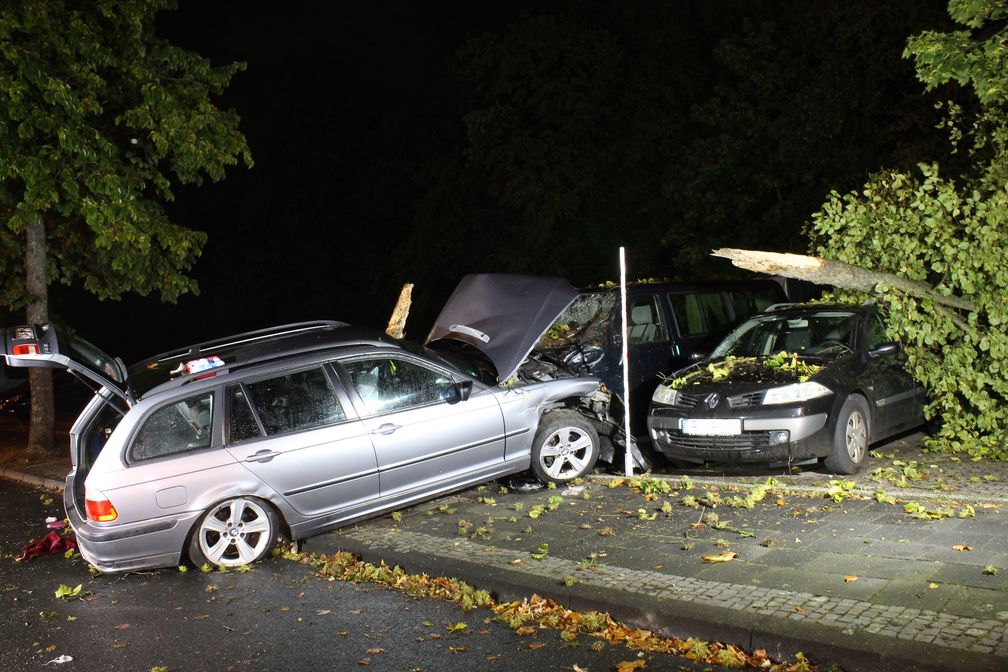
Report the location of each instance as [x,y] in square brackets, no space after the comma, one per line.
[321,81]
[342,107]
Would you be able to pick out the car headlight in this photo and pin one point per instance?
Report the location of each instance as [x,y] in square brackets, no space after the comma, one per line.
[664,394]
[796,392]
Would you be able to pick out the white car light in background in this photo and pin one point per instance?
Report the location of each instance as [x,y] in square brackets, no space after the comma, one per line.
[793,393]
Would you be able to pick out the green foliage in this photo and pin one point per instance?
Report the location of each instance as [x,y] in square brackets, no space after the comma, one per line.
[778,367]
[67,593]
[948,232]
[840,490]
[98,116]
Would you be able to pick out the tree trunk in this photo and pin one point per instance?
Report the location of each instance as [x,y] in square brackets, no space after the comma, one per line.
[397,323]
[837,273]
[42,432]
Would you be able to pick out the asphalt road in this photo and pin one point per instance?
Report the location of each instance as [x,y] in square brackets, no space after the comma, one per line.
[279,616]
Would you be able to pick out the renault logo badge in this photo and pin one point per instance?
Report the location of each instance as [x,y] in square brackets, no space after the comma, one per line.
[712,400]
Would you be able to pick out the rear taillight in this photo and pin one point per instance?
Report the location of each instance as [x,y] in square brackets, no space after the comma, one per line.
[25,349]
[98,507]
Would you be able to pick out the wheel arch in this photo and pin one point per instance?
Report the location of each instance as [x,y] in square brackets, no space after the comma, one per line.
[284,528]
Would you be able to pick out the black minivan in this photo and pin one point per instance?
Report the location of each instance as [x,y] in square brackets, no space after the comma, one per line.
[667,325]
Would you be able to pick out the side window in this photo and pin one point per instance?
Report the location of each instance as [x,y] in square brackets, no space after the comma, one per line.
[286,403]
[644,322]
[386,384]
[875,332]
[176,428]
[750,302]
[242,424]
[700,313]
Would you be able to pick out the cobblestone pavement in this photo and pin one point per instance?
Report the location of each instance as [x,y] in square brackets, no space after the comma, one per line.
[908,570]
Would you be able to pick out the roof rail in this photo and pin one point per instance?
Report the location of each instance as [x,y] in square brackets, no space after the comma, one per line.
[246,338]
[779,306]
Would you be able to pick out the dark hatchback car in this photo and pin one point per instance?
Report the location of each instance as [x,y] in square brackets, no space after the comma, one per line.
[793,385]
[667,322]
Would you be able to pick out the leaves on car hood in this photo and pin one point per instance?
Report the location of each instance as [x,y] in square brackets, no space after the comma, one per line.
[779,369]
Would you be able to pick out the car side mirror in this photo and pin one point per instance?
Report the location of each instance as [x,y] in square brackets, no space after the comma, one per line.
[457,392]
[884,350]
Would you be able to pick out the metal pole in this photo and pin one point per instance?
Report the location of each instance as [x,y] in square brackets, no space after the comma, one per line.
[628,458]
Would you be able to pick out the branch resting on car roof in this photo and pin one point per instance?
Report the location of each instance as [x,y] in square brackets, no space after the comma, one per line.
[837,273]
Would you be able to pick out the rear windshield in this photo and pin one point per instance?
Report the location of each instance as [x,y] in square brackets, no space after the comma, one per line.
[86,353]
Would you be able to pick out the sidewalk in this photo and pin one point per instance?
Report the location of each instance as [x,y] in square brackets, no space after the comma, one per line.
[859,583]
[908,571]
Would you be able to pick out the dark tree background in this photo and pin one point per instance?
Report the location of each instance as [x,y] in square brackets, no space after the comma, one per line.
[422,141]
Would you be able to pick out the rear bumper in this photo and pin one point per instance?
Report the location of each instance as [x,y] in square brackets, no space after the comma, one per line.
[129,547]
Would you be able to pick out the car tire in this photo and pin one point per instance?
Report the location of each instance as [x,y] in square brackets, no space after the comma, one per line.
[850,437]
[234,532]
[566,446]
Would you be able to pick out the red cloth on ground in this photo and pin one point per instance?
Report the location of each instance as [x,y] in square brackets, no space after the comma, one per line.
[50,544]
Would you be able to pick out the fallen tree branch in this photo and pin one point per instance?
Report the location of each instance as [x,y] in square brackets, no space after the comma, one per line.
[837,273]
[397,323]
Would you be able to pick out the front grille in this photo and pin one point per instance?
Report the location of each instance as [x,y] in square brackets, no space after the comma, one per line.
[751,441]
[746,400]
[685,401]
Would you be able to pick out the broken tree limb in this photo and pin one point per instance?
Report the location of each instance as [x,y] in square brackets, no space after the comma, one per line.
[397,323]
[837,273]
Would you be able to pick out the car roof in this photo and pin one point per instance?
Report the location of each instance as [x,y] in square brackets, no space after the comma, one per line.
[800,308]
[243,351]
[688,286]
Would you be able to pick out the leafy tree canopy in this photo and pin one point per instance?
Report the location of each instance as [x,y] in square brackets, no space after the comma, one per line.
[98,116]
[950,231]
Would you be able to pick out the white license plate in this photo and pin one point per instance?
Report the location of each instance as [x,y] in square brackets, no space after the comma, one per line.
[706,427]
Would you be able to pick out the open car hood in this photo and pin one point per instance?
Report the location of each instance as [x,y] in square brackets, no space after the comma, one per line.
[502,316]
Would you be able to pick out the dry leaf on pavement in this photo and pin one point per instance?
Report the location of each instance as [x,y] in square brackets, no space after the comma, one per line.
[962,547]
[727,556]
[630,665]
[850,578]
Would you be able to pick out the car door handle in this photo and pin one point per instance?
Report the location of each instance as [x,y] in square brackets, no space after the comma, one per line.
[262,456]
[387,428]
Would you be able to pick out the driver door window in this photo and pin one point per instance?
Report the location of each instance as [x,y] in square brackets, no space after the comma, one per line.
[386,384]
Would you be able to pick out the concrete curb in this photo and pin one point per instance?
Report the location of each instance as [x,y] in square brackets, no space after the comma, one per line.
[32,479]
[781,638]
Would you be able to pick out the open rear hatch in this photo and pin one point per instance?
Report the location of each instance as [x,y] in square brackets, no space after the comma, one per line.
[46,346]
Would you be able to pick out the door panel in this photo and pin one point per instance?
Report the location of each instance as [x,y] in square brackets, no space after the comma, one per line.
[421,440]
[292,432]
[316,471]
[897,397]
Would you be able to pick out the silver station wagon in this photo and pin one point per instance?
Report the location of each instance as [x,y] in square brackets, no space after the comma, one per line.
[212,451]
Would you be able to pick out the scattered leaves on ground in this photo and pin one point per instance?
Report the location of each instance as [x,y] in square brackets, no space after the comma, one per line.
[727,556]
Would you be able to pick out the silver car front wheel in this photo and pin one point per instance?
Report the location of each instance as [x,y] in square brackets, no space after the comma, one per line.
[235,532]
[565,447]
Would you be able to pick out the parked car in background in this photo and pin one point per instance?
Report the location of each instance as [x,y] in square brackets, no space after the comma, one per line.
[668,324]
[211,451]
[793,385]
